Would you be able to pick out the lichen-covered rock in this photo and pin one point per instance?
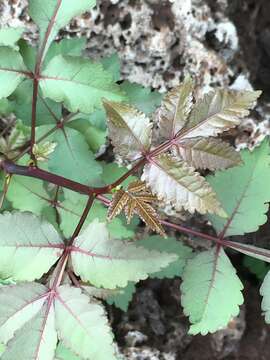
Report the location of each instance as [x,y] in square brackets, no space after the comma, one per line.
[157,41]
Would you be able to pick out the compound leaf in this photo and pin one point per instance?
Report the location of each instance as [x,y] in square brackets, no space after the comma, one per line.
[211,291]
[169,245]
[175,109]
[52,15]
[29,246]
[219,111]
[112,263]
[129,130]
[207,153]
[177,183]
[244,193]
[12,71]
[83,326]
[79,83]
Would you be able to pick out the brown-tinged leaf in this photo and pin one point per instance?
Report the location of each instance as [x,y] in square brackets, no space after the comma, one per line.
[179,184]
[129,130]
[149,215]
[175,109]
[129,210]
[137,186]
[146,197]
[119,201]
[211,153]
[135,200]
[219,111]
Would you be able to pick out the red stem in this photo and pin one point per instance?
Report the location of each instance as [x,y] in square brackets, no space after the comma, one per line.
[34,117]
[82,220]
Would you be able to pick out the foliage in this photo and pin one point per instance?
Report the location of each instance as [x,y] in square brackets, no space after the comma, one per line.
[65,244]
[204,280]
[243,193]
[135,200]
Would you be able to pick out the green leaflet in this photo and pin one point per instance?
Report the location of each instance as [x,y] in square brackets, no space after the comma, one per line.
[52,15]
[2,348]
[256,267]
[28,246]
[18,305]
[73,46]
[244,193]
[22,98]
[143,98]
[5,107]
[92,260]
[211,291]
[169,245]
[70,80]
[265,293]
[72,157]
[93,127]
[72,207]
[21,101]
[63,353]
[112,65]
[83,326]
[10,36]
[27,194]
[94,135]
[120,297]
[12,70]
[35,339]
[28,53]
[123,297]
[111,172]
